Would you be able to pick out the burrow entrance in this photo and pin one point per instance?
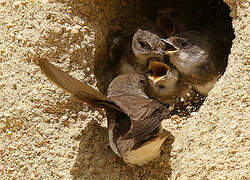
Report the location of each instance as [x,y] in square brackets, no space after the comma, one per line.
[198,15]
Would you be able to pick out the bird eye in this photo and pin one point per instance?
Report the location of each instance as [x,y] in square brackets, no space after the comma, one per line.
[144,45]
[183,43]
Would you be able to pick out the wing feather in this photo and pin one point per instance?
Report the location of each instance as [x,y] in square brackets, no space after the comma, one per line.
[79,90]
[128,92]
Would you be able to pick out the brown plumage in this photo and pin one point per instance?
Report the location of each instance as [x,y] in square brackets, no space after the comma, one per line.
[135,134]
[200,57]
[132,53]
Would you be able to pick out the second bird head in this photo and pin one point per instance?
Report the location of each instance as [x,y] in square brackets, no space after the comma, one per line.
[147,45]
[187,51]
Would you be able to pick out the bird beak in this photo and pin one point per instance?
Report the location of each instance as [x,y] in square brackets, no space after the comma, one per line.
[157,71]
[170,48]
[152,79]
[155,79]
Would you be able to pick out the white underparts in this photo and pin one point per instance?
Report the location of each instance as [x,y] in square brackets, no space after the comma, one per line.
[111,141]
[146,153]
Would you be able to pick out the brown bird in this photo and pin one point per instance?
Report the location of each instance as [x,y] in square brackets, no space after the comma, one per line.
[200,58]
[132,53]
[165,83]
[135,134]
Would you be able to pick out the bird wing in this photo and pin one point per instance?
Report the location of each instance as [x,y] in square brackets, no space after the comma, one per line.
[128,92]
[75,87]
[147,118]
[145,114]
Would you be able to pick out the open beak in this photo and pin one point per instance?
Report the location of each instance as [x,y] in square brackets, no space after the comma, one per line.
[155,79]
[157,71]
[170,48]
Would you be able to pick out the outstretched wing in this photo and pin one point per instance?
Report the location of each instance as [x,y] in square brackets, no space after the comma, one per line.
[78,89]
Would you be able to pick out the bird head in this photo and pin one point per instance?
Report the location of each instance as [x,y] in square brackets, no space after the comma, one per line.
[146,45]
[161,76]
[186,53]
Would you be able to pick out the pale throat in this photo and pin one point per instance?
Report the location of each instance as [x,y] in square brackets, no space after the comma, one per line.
[187,64]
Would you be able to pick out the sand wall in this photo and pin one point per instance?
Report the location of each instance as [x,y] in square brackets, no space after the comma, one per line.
[42,129]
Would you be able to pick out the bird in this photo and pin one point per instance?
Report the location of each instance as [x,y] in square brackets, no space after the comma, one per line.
[131,54]
[199,56]
[136,133]
[165,84]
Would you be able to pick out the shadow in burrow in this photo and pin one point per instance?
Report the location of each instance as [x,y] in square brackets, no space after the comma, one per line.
[193,14]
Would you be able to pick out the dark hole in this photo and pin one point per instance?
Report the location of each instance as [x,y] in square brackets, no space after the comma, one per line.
[167,24]
[196,15]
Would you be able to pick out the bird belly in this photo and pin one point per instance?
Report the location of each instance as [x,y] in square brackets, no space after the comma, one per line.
[144,154]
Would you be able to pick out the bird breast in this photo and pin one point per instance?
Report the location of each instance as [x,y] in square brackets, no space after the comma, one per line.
[147,152]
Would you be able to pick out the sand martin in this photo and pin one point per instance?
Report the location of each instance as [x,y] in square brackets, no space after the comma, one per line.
[200,59]
[132,53]
[165,84]
[135,134]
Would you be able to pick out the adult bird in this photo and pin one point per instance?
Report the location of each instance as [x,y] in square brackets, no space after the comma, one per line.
[135,134]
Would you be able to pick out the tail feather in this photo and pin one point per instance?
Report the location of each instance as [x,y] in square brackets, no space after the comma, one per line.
[78,89]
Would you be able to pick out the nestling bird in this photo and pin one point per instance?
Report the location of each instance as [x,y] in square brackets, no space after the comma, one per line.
[200,58]
[135,134]
[132,53]
[165,83]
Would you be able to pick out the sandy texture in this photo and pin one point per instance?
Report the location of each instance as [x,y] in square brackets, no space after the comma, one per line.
[43,133]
